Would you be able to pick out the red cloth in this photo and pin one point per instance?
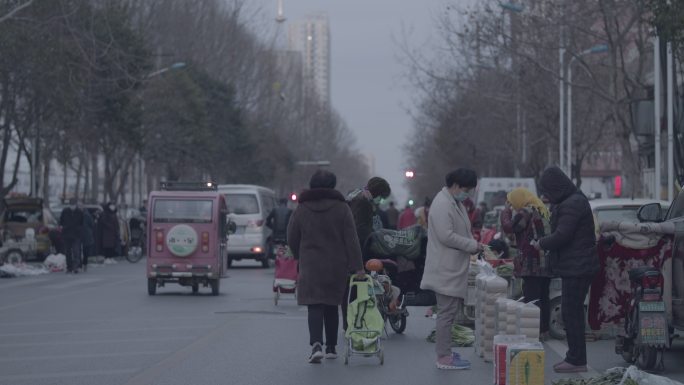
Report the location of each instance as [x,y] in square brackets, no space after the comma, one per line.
[406,219]
[611,290]
[487,235]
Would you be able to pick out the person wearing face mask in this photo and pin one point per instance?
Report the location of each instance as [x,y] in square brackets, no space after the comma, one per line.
[364,206]
[108,227]
[71,221]
[449,247]
[363,203]
[573,257]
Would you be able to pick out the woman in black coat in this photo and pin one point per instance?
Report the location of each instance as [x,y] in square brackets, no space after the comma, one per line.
[572,247]
[322,236]
[108,226]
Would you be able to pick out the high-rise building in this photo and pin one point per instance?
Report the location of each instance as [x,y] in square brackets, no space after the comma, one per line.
[311,37]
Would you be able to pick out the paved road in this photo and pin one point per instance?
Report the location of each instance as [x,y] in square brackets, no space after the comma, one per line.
[102,328]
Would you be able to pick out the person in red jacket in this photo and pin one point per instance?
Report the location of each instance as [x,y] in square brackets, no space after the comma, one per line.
[407,218]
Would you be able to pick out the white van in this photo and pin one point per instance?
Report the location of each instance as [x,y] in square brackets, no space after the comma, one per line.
[249,206]
[493,191]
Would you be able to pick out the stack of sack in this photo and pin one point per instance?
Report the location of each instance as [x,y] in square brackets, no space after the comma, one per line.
[528,318]
[490,288]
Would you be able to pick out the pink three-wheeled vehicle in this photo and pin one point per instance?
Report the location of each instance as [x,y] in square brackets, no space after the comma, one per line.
[187,235]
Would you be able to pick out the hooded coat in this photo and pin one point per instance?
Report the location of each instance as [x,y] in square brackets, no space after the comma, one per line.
[572,241]
[322,237]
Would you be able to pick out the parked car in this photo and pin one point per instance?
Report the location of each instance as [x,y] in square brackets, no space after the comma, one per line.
[248,207]
[29,230]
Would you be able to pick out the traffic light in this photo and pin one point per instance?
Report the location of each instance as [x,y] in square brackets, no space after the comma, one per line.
[411,202]
[293,197]
[409,174]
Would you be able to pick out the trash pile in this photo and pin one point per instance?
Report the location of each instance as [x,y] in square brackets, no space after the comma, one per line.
[621,376]
[55,262]
[9,270]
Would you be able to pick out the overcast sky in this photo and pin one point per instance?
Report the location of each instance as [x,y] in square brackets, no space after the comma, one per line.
[368,87]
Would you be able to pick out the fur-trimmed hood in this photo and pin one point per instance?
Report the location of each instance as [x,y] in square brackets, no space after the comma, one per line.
[320,199]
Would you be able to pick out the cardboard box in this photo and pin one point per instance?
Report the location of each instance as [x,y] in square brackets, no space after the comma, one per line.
[525,364]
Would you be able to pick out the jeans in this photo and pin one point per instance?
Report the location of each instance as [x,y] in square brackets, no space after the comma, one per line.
[447,310]
[572,310]
[87,252]
[320,316]
[537,288]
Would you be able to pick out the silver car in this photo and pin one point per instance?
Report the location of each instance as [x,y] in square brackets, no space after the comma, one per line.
[248,208]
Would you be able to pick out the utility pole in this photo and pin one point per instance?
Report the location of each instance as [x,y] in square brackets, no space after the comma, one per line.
[657,102]
[670,123]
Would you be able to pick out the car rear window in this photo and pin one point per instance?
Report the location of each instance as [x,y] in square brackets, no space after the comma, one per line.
[242,204]
[620,214]
[183,211]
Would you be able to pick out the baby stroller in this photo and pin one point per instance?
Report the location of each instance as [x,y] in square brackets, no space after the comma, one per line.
[285,280]
[365,323]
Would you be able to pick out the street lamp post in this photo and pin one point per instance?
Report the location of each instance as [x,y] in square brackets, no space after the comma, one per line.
[600,48]
[174,66]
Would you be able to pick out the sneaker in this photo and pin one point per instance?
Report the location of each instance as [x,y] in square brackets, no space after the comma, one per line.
[453,362]
[566,367]
[330,353]
[316,354]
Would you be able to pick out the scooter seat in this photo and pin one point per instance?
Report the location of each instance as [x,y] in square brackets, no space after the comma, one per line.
[636,274]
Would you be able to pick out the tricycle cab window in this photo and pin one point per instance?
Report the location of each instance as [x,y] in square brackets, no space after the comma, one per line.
[183,211]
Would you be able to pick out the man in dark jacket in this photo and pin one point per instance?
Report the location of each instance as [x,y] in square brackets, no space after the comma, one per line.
[572,247]
[363,203]
[71,221]
[278,219]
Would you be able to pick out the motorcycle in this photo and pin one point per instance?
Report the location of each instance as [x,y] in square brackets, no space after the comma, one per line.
[646,329]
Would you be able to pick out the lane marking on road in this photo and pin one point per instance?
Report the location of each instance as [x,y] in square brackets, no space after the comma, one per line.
[17,377]
[108,341]
[560,348]
[64,294]
[151,374]
[109,320]
[96,355]
[76,282]
[81,331]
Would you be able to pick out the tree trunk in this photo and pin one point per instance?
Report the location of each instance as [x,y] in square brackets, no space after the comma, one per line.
[46,179]
[95,178]
[64,182]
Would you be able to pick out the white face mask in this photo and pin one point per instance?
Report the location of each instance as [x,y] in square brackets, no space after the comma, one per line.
[112,207]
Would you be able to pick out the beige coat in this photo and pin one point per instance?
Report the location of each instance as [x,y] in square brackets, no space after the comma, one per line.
[450,244]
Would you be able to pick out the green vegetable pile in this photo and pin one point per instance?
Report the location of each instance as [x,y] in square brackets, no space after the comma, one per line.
[505,270]
[461,336]
[612,377]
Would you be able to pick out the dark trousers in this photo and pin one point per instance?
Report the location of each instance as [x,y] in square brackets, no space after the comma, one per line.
[72,250]
[87,252]
[572,310]
[537,289]
[320,316]
[108,252]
